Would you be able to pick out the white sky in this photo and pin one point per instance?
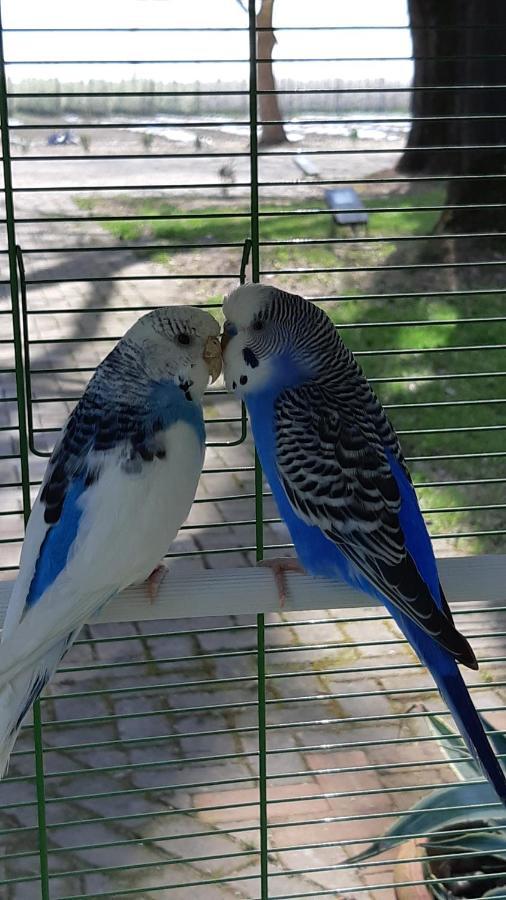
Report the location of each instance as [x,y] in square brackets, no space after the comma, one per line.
[204,45]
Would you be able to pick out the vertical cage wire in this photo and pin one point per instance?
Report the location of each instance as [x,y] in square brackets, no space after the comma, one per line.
[23,437]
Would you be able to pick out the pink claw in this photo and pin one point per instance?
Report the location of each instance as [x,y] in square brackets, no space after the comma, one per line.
[279,566]
[154,580]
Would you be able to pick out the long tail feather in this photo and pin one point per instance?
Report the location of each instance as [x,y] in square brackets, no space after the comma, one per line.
[454,692]
[15,701]
[456,695]
[40,634]
[18,696]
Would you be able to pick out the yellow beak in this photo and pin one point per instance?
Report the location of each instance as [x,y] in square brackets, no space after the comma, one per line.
[212,357]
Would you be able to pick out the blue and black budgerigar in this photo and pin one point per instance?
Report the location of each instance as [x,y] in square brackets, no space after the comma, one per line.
[338,475]
[118,486]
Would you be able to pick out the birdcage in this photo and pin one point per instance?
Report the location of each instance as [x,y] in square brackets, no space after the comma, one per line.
[210,744]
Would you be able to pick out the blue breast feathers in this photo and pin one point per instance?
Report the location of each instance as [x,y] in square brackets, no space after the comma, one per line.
[317,553]
[168,404]
[56,545]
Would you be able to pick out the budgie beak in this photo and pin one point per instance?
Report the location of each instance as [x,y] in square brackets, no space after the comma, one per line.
[212,357]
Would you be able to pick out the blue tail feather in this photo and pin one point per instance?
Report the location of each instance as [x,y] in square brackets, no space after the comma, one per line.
[439,662]
[454,692]
[456,695]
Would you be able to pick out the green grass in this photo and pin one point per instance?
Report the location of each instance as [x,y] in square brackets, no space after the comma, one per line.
[443,390]
[362,324]
[304,223]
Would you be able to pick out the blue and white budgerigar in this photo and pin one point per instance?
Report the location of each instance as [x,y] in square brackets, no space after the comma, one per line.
[118,486]
[337,473]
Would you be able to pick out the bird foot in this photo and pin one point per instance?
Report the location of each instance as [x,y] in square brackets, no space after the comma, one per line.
[279,567]
[154,581]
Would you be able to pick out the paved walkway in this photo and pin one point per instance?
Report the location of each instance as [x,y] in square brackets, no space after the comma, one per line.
[151,729]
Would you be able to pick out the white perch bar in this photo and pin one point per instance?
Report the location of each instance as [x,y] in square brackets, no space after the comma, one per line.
[476,580]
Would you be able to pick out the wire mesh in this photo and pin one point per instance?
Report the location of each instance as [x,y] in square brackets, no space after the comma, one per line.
[248,756]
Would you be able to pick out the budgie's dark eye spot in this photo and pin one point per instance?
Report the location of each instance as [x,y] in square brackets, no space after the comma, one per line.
[243,379]
[183,338]
[258,325]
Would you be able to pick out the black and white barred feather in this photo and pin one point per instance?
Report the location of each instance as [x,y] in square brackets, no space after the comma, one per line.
[333,442]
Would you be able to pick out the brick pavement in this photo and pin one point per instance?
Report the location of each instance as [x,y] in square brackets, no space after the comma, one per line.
[151,728]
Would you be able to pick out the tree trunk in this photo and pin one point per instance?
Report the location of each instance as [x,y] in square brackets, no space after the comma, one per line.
[479,44]
[434,37]
[268,103]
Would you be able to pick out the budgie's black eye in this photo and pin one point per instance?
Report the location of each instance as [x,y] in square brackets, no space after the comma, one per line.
[258,325]
[183,338]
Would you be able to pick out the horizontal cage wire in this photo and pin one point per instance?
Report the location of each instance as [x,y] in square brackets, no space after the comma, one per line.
[212,746]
